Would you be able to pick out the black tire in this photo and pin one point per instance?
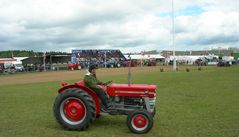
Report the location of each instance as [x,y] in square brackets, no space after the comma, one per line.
[147,119]
[80,97]
[154,112]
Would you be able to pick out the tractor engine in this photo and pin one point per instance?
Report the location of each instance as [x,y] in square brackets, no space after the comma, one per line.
[133,101]
[128,101]
[124,97]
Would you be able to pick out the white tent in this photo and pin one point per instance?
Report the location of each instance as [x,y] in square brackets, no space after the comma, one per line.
[156,56]
[228,58]
[145,56]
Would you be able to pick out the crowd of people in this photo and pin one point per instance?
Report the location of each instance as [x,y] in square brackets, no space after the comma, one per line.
[102,58]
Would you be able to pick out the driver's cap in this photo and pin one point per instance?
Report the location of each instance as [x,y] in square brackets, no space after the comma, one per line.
[92,67]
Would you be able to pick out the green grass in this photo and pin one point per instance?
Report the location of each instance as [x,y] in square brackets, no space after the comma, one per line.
[197,103]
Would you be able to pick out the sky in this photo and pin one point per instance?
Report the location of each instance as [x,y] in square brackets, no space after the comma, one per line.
[128,25]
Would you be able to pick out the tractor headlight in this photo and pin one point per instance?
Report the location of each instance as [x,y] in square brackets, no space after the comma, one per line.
[146,92]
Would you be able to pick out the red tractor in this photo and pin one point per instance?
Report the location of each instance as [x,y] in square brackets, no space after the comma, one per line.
[77,106]
[74,66]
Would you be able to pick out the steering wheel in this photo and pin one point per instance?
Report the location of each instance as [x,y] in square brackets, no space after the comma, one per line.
[108,83]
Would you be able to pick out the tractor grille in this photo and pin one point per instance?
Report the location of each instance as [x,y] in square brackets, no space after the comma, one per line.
[152,102]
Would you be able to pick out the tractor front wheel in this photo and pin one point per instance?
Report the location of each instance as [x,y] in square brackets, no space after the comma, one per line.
[154,112]
[140,122]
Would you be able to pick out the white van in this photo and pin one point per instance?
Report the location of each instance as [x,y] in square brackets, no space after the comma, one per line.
[18,66]
[13,66]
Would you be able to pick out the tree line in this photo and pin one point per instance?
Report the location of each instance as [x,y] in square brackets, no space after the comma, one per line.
[23,53]
[19,53]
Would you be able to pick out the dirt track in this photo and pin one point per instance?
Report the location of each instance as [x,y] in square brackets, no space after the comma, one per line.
[66,75]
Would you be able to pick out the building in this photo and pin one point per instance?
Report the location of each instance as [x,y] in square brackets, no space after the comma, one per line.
[52,61]
[6,60]
[223,52]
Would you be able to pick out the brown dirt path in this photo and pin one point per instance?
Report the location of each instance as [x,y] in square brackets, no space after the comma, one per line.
[67,75]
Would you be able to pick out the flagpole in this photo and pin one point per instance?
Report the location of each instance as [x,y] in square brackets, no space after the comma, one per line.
[44,61]
[173,38]
[129,71]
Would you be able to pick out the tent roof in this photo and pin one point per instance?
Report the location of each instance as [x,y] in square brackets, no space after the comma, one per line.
[146,56]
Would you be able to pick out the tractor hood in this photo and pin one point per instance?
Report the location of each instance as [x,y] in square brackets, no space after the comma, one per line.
[131,90]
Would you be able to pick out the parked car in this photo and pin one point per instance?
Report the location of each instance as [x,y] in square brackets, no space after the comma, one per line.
[9,68]
[19,67]
[1,67]
[152,62]
[223,64]
[201,62]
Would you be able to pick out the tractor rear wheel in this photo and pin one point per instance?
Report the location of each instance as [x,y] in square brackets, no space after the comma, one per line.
[74,109]
[140,122]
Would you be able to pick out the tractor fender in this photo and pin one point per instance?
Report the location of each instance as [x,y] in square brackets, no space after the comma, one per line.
[89,91]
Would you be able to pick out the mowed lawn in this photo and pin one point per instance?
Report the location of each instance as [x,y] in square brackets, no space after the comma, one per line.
[189,104]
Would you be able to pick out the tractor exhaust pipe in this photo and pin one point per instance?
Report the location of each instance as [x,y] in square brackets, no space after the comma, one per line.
[129,71]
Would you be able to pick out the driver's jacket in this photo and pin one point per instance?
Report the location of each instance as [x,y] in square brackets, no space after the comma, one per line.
[92,82]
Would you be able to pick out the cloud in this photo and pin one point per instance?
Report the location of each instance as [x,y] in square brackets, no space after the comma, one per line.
[209,29]
[135,25]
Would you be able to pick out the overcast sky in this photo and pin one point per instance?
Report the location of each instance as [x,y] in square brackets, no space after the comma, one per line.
[128,25]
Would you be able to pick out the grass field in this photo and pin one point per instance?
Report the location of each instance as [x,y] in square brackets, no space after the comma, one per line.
[196,103]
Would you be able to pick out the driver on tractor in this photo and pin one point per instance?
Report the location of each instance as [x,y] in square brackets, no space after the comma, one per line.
[92,82]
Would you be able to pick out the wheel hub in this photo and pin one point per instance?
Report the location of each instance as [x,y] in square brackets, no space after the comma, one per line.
[74,110]
[140,121]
